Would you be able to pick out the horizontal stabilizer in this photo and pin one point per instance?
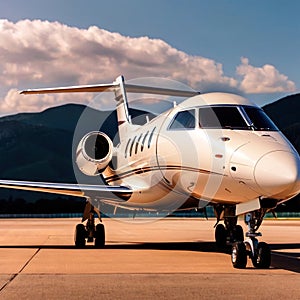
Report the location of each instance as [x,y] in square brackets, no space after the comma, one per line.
[130,88]
[72,89]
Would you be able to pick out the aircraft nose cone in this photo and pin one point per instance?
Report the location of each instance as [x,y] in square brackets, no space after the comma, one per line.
[277,172]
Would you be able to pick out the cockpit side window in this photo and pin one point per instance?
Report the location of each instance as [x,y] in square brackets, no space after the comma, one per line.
[221,117]
[259,120]
[184,120]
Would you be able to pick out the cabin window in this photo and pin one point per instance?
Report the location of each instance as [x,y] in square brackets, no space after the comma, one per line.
[137,143]
[126,148]
[259,120]
[131,147]
[228,117]
[150,137]
[184,120]
[144,140]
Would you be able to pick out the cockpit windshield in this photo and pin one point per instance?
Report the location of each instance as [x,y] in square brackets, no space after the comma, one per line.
[223,116]
[184,120]
[259,120]
[235,117]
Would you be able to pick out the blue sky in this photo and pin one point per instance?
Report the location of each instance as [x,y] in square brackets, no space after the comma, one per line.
[264,33]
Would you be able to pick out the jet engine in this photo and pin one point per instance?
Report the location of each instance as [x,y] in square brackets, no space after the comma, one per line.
[94,152]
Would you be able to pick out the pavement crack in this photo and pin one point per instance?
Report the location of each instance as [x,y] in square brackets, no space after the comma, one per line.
[11,279]
[29,260]
[8,282]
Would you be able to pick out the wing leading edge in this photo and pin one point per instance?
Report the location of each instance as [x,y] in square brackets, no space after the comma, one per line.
[82,190]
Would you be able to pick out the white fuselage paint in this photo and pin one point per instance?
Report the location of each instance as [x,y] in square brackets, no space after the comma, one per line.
[175,168]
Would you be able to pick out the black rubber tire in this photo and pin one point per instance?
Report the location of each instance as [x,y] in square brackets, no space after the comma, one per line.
[239,233]
[100,236]
[262,258]
[239,255]
[220,236]
[80,235]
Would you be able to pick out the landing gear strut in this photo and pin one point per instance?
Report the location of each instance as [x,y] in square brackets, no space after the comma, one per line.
[90,232]
[259,252]
[231,232]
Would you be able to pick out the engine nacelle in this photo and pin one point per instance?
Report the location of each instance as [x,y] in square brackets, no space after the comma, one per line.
[94,152]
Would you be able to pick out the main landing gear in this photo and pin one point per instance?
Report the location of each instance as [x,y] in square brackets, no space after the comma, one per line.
[90,232]
[259,252]
[231,232]
[232,235]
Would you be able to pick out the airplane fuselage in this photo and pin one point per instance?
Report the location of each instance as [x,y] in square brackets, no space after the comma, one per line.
[183,159]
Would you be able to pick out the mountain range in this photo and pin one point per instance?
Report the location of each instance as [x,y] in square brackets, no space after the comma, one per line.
[286,114]
[38,146]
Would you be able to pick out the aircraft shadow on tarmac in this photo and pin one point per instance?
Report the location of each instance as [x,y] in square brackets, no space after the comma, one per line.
[288,260]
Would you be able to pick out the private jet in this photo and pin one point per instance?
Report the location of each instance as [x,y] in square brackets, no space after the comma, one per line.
[213,149]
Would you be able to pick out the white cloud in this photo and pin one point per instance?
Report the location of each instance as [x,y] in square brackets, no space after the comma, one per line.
[46,54]
[266,79]
[13,102]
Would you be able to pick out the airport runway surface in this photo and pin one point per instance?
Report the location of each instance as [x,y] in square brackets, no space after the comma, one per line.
[167,259]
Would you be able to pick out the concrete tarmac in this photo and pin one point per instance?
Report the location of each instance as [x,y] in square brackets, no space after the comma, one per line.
[167,259]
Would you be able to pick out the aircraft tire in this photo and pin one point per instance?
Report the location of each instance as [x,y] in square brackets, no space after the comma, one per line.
[80,235]
[239,233]
[239,255]
[262,259]
[100,236]
[220,236]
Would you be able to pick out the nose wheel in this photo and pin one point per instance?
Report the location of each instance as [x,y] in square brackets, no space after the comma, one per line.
[258,252]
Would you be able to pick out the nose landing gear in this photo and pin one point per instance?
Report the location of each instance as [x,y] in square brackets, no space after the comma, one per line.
[259,252]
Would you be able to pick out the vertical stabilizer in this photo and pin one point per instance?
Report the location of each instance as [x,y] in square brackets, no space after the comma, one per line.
[124,121]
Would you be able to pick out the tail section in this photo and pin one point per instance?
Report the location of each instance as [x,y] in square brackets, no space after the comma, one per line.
[119,87]
[124,120]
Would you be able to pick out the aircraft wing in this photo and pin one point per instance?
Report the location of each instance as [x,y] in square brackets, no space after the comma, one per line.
[79,190]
